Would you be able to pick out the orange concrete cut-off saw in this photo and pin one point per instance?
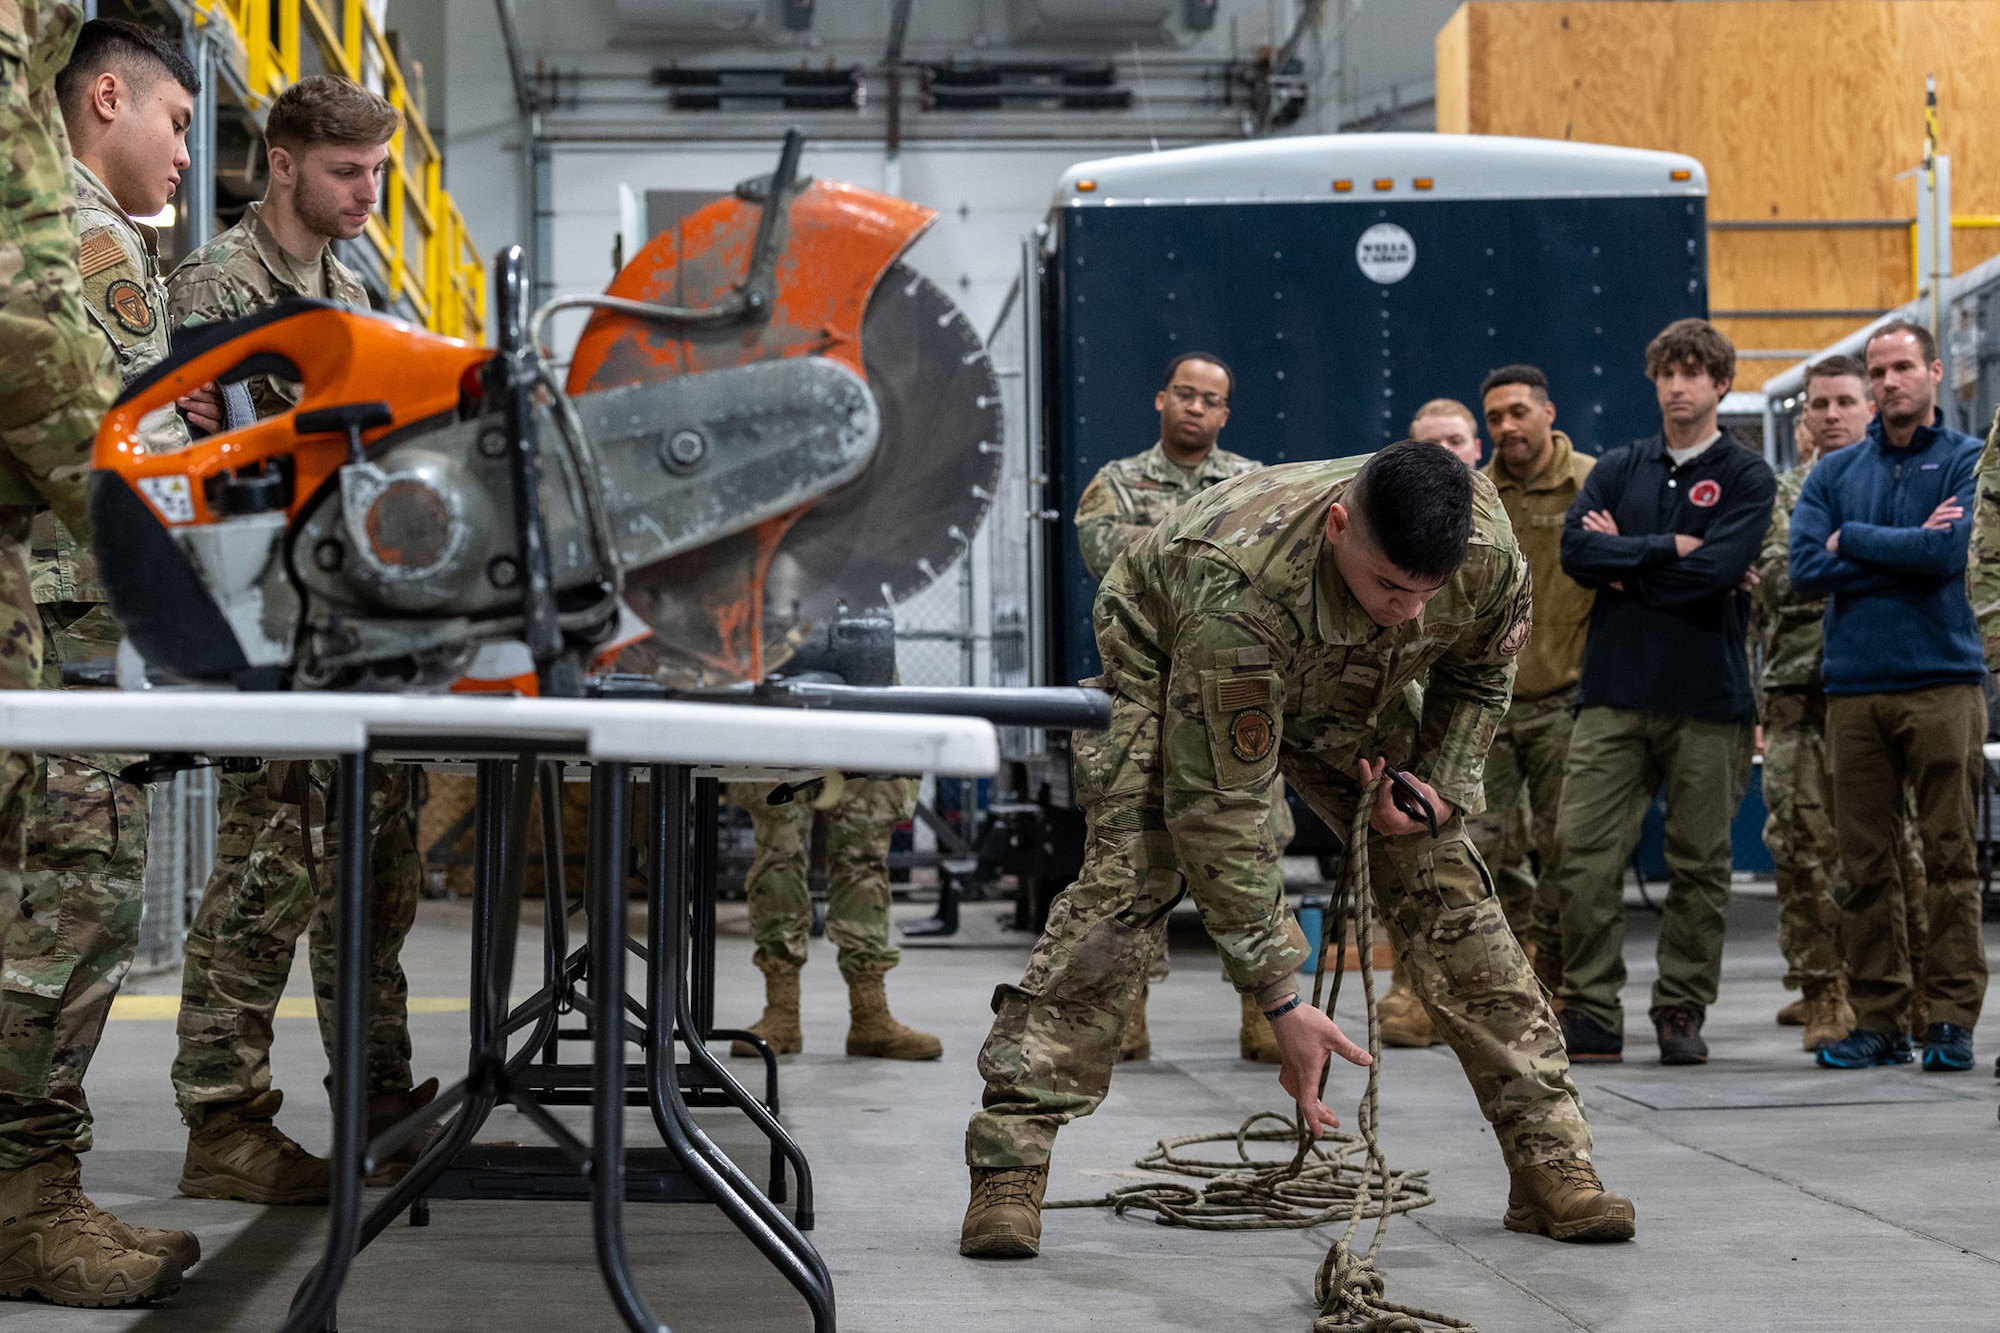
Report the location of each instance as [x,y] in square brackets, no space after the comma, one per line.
[768,417]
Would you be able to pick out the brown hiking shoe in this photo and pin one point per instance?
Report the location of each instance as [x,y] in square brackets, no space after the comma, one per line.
[1405,1021]
[238,1153]
[1564,1200]
[779,1027]
[1254,1040]
[872,1030]
[1004,1218]
[1828,1015]
[54,1245]
[1134,1041]
[387,1107]
[1796,1015]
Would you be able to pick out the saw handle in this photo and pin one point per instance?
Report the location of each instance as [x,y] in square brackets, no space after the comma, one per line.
[348,419]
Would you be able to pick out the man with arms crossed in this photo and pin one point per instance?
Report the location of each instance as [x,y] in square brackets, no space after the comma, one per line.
[1881,528]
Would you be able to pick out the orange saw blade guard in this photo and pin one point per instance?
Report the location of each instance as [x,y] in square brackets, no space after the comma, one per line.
[340,356]
[839,241]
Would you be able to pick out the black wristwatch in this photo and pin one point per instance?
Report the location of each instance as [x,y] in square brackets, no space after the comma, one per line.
[1286,1007]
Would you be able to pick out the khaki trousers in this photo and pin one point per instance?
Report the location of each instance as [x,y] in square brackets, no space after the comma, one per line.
[1618,760]
[1931,740]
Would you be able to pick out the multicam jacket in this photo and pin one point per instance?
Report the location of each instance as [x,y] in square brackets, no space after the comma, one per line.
[1553,659]
[245,270]
[1982,569]
[1129,496]
[119,260]
[56,375]
[1232,624]
[1788,627]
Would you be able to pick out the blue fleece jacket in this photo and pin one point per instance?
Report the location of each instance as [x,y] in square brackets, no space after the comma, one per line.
[1897,617]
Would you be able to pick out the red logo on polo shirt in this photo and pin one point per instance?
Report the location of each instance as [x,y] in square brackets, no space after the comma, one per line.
[1705,493]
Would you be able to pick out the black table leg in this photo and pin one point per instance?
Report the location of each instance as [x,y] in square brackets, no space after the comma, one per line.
[668,1002]
[609,793]
[313,1306]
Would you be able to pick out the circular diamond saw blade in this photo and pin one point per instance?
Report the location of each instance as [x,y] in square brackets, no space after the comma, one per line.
[892,531]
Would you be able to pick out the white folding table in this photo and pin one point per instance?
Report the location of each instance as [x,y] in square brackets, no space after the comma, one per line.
[510,739]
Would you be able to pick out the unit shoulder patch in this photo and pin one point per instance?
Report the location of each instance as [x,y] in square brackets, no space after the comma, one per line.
[1252,734]
[125,301]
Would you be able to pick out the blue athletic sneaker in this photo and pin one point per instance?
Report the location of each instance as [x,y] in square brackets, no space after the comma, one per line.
[1947,1048]
[1865,1049]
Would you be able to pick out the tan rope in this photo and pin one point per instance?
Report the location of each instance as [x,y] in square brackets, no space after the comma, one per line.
[1327,1179]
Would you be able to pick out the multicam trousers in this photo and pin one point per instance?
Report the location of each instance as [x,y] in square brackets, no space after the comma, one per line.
[69,922]
[1799,831]
[1524,782]
[258,902]
[857,854]
[1054,1040]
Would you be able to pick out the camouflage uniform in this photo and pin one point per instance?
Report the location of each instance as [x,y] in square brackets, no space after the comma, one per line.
[1233,652]
[260,897]
[1524,770]
[68,923]
[1127,499]
[1982,571]
[857,871]
[1798,789]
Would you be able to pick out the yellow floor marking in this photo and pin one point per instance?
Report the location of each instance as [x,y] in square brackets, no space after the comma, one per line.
[168,1007]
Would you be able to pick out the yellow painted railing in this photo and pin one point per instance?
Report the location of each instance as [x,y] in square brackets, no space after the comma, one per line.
[428,257]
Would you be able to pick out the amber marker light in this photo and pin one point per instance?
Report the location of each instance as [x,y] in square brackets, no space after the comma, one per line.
[1422,182]
[1085,187]
[1384,183]
[1681,174]
[1343,187]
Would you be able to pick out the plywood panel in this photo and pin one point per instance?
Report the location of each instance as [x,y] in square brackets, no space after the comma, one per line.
[1454,71]
[1800,109]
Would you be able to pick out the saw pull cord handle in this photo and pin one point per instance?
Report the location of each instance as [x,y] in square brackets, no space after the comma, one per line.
[516,365]
[752,299]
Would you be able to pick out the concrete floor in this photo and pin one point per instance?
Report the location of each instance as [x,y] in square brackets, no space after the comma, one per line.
[1771,1195]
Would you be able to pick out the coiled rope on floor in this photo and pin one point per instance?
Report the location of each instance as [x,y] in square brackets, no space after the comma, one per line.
[1338,1176]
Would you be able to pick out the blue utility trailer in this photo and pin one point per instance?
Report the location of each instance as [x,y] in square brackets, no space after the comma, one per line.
[1347,279]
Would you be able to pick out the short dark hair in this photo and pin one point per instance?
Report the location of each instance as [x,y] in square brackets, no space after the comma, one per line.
[1210,357]
[1516,374]
[1925,342]
[1829,367]
[1416,500]
[1692,342]
[131,49]
[327,109]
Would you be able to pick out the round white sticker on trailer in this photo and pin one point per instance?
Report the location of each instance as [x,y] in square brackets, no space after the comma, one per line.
[1385,253]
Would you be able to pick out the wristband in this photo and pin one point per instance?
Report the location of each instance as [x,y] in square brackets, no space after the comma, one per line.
[1285,1008]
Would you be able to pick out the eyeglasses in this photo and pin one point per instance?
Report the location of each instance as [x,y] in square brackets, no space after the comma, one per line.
[1187,393]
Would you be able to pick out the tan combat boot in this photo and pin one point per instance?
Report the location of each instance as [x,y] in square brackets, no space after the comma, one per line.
[238,1153]
[1254,1038]
[1564,1200]
[1405,1021]
[873,1030]
[1546,962]
[779,1027]
[1004,1218]
[1828,1017]
[1134,1041]
[1797,1014]
[387,1107]
[54,1245]
[181,1246]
